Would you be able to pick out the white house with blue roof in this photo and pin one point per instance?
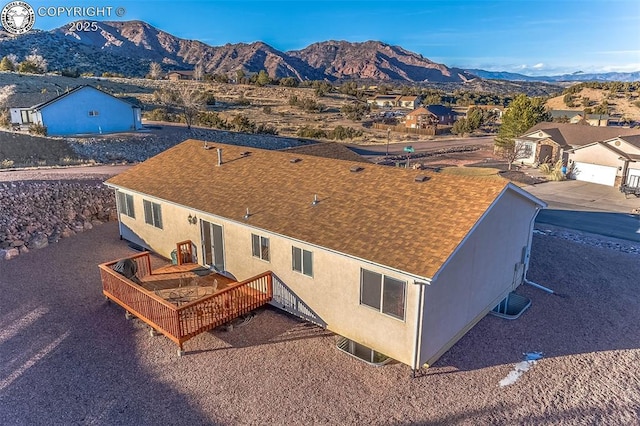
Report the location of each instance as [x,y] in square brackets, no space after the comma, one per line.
[82,110]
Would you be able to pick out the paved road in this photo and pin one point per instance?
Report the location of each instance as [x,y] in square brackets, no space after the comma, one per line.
[617,225]
[396,148]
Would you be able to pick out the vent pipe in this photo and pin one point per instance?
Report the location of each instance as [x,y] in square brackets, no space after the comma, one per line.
[219,156]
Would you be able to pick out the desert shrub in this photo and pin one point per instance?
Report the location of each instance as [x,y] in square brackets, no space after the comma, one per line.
[6,163]
[243,101]
[310,132]
[158,114]
[266,109]
[211,119]
[355,112]
[266,129]
[553,171]
[209,99]
[341,133]
[70,72]
[38,129]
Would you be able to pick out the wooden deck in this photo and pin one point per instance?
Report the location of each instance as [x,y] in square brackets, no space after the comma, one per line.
[182,301]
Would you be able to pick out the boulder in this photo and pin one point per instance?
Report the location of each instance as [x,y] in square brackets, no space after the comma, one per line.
[39,241]
[11,253]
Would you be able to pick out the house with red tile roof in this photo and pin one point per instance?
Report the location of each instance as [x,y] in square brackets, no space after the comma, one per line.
[399,262]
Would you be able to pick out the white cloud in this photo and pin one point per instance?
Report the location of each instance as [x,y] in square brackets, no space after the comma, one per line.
[538,66]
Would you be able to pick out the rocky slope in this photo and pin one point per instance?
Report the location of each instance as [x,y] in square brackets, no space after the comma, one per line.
[129,46]
[377,61]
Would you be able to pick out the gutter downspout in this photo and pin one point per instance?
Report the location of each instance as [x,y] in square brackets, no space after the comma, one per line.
[529,241]
[419,317]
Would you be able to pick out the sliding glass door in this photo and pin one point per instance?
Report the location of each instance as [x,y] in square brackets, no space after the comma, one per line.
[212,244]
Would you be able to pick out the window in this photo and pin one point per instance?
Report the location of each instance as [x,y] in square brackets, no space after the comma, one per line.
[260,247]
[93,113]
[152,213]
[302,261]
[383,293]
[125,204]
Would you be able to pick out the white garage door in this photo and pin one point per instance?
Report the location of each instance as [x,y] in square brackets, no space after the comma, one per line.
[595,173]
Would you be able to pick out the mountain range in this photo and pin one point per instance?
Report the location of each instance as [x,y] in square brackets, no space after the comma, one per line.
[128,47]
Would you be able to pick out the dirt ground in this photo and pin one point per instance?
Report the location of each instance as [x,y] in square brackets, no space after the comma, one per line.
[68,357]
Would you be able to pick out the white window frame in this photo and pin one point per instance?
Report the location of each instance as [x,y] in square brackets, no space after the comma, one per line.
[94,113]
[384,280]
[152,213]
[306,266]
[125,204]
[260,251]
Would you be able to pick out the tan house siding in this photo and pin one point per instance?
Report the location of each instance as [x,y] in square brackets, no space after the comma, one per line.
[476,277]
[333,293]
[597,154]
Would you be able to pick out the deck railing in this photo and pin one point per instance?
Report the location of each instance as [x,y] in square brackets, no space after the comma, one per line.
[181,323]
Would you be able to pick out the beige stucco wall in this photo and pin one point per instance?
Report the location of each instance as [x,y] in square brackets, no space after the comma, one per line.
[597,154]
[478,276]
[333,293]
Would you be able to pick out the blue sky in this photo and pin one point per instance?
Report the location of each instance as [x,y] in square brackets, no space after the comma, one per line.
[532,37]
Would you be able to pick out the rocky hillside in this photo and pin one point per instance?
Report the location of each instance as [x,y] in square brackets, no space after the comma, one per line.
[377,61]
[128,47]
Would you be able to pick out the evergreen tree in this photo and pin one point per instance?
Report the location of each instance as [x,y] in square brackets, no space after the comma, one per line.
[522,114]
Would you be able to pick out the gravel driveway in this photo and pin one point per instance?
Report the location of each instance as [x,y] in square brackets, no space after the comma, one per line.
[68,357]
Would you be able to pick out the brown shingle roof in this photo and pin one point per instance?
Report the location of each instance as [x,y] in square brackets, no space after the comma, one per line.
[581,134]
[333,150]
[380,213]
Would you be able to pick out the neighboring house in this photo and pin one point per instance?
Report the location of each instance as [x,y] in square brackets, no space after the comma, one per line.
[384,101]
[420,118]
[392,101]
[444,114]
[612,162]
[402,262]
[410,102]
[550,142]
[180,75]
[82,110]
[576,117]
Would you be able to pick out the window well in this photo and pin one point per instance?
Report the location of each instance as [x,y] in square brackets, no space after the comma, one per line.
[511,306]
[362,352]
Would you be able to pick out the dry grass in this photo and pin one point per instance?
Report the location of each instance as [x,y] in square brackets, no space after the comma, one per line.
[471,171]
[21,150]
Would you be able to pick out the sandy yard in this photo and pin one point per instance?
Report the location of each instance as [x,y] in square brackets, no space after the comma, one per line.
[68,357]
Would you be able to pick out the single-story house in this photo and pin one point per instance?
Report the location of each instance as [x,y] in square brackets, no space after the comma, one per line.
[400,262]
[575,117]
[549,142]
[384,101]
[612,162]
[410,102]
[84,109]
[180,75]
[391,101]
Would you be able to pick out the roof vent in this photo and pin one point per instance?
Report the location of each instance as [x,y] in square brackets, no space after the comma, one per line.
[246,153]
[219,156]
[206,146]
[356,169]
[295,160]
[315,200]
[422,178]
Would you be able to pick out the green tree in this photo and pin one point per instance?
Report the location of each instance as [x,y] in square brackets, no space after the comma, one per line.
[475,118]
[263,78]
[6,65]
[461,127]
[602,108]
[522,114]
